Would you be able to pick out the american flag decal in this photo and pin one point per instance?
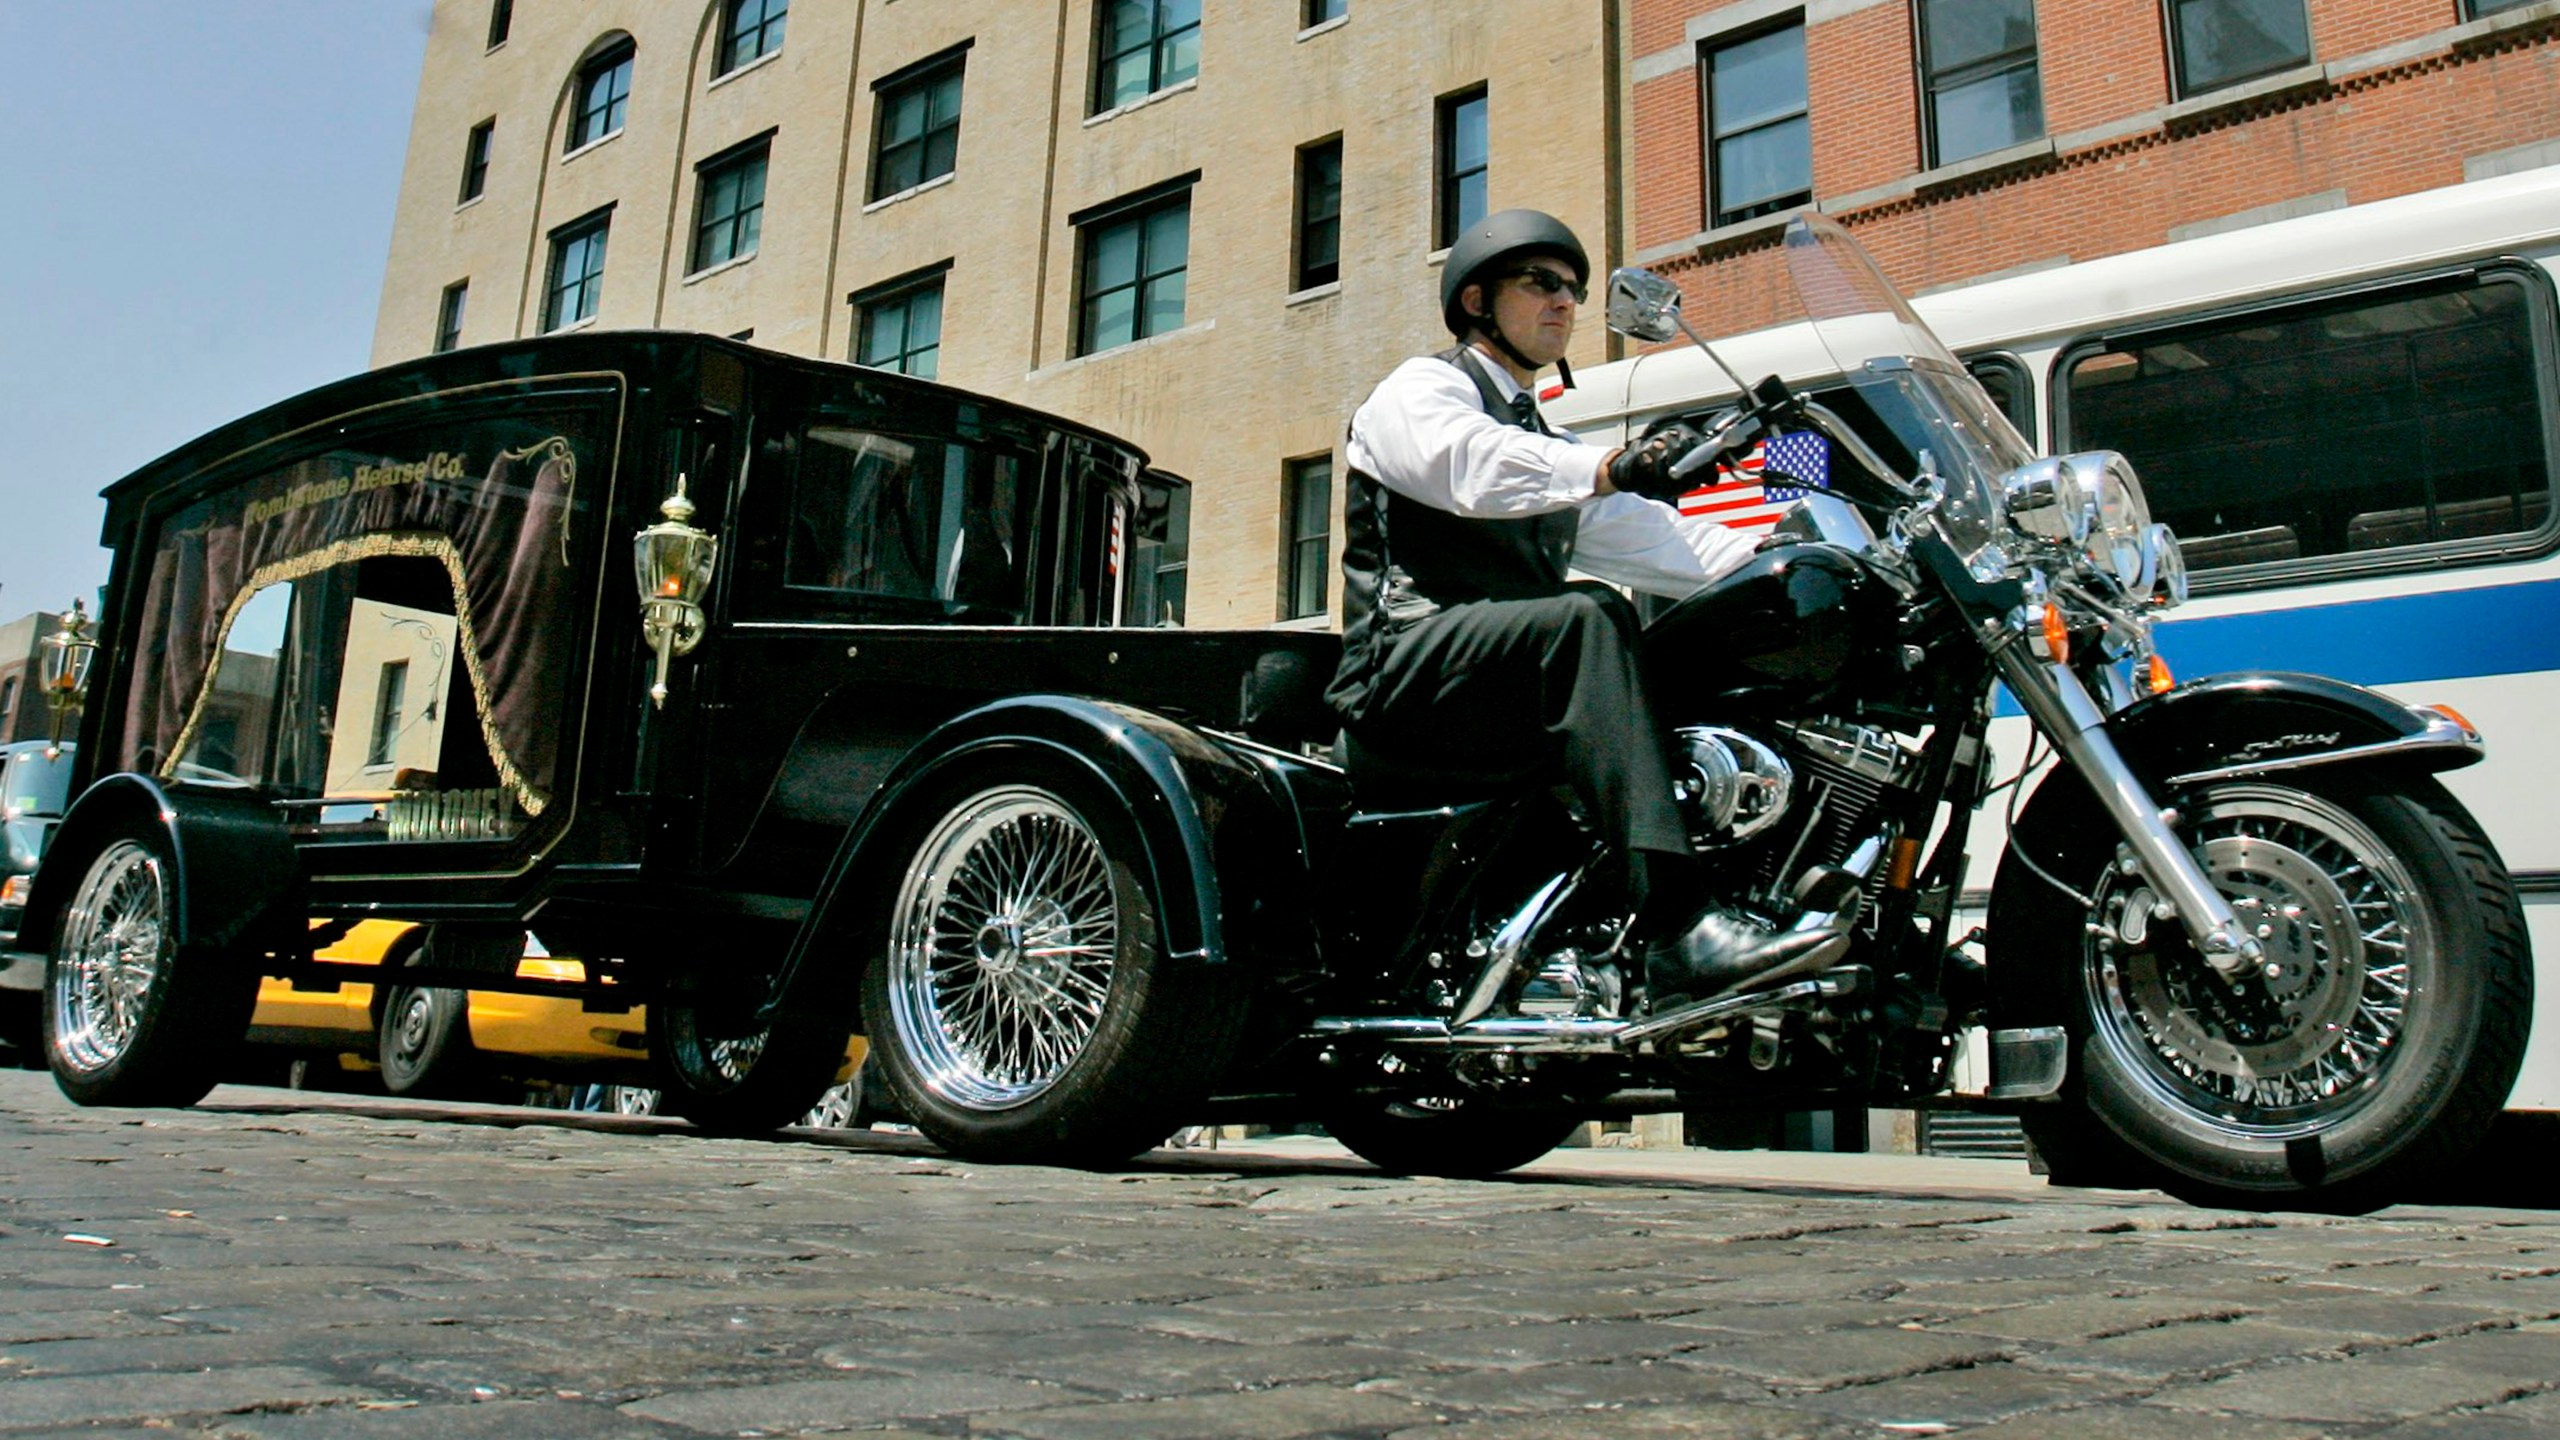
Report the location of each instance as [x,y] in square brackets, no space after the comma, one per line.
[1758,491]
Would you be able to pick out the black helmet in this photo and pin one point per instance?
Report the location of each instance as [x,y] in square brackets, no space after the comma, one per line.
[1510,235]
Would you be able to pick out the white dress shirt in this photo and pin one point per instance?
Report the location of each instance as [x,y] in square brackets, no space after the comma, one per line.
[1424,434]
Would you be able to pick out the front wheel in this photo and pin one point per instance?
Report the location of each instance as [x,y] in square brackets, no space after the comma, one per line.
[1024,1010]
[1454,1139]
[2373,1047]
[733,1080]
[131,1017]
[424,1044]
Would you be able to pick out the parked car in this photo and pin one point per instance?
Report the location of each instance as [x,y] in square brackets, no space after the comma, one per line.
[35,786]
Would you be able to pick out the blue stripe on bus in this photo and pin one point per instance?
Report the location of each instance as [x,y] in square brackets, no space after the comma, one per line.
[2397,640]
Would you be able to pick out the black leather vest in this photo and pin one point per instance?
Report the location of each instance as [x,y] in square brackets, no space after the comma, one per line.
[1404,561]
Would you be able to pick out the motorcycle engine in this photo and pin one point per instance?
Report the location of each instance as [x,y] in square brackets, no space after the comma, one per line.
[1814,790]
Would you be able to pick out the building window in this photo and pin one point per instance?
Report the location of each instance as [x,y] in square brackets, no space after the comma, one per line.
[1759,137]
[1136,272]
[475,160]
[751,30]
[577,272]
[1319,246]
[1978,69]
[2480,9]
[1306,536]
[1463,161]
[1319,11]
[502,13]
[604,93]
[2215,43]
[449,316]
[917,120]
[729,213]
[1143,46]
[902,329]
[1160,563]
[390,693]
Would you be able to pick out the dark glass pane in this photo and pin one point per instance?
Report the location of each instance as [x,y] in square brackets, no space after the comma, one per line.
[904,119]
[1997,110]
[924,318]
[945,107]
[502,14]
[1758,80]
[2361,425]
[1319,11]
[1165,296]
[1764,165]
[884,333]
[1111,318]
[1113,259]
[1178,57]
[2222,42]
[1466,202]
[1467,147]
[1168,240]
[1966,32]
[941,152]
[1124,79]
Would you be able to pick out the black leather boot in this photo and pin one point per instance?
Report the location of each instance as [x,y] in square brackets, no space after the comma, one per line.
[1719,952]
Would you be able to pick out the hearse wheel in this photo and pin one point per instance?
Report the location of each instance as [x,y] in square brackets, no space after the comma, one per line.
[423,1039]
[1023,1010]
[713,1069]
[1454,1139]
[130,1016]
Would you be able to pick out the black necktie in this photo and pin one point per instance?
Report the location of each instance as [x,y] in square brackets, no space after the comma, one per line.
[1524,412]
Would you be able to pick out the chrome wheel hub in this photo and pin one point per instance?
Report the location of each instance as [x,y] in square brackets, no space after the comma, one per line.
[114,950]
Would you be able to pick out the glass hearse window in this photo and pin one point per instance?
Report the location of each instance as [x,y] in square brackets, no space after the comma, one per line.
[928,526]
[2352,430]
[378,637]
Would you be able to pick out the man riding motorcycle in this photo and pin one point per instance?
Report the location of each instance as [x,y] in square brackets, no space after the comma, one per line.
[1464,644]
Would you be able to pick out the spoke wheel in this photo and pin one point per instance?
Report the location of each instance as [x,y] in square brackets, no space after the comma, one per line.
[1022,1008]
[131,1017]
[1006,949]
[736,1081]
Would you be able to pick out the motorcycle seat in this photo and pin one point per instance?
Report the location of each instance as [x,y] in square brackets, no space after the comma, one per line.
[1398,780]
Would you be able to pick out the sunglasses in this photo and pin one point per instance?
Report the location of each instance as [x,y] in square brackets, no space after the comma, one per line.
[1548,282]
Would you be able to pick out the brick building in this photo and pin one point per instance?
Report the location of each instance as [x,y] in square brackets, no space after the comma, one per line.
[1966,139]
[1207,225]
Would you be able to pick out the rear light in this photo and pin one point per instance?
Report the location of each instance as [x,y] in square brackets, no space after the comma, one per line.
[13,891]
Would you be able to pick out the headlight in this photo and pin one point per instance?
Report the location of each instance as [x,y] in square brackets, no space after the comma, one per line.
[2118,514]
[2164,567]
[2049,499]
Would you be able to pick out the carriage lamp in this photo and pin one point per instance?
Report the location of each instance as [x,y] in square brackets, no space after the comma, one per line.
[68,653]
[673,560]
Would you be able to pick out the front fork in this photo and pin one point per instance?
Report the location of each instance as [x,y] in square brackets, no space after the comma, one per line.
[2062,707]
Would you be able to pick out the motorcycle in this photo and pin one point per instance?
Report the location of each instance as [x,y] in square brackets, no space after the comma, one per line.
[2242,944]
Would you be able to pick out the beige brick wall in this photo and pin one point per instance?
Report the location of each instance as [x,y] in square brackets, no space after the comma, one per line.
[1250,380]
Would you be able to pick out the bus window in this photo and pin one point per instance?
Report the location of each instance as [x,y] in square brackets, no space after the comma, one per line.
[2006,382]
[2344,429]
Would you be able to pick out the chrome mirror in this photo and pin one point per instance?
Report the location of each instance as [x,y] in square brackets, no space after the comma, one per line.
[673,562]
[1643,304]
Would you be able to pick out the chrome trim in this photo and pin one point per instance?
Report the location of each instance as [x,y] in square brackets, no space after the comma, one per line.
[1562,1036]
[1510,943]
[2060,706]
[2441,733]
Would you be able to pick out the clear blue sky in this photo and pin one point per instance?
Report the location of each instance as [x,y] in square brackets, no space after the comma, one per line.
[198,199]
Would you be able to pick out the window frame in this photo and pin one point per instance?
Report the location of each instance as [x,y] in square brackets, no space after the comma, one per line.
[2542,306]
[1934,83]
[1133,211]
[449,317]
[901,291]
[1447,179]
[2178,84]
[1105,96]
[743,218]
[1717,214]
[619,58]
[1305,555]
[475,160]
[502,15]
[1316,12]
[1304,273]
[596,225]
[928,75]
[769,33]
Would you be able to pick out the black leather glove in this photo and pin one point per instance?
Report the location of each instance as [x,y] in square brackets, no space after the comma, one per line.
[1644,468]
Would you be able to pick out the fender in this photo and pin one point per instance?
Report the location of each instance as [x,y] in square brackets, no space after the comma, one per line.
[1199,811]
[234,863]
[2266,722]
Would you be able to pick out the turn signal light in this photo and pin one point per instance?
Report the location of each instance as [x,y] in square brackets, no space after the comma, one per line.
[13,891]
[2456,717]
[2156,675]
[2057,635]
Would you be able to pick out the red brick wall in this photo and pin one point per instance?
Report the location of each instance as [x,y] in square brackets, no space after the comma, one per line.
[2387,132]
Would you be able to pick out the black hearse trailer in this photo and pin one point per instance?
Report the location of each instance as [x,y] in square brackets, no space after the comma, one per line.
[375,652]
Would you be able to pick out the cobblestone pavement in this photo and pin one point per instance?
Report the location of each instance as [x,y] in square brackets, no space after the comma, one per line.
[264,1268]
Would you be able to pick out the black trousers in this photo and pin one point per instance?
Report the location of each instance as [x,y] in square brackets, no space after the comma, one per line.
[1519,685]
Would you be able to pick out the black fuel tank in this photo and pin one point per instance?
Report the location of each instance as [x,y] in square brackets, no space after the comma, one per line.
[1795,628]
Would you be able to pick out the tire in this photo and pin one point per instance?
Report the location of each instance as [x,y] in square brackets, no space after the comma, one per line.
[1023,1010]
[130,1016]
[2375,1056]
[733,1083]
[424,1043]
[1452,1139]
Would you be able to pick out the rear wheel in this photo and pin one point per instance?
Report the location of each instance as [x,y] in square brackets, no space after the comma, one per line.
[424,1042]
[131,1017]
[1453,1138]
[1024,1010]
[2375,1045]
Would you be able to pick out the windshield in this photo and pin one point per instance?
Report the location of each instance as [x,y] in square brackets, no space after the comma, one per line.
[33,786]
[1916,387]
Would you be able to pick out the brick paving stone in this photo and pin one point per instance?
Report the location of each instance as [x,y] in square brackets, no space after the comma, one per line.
[850,1403]
[2171,1351]
[2139,1422]
[1665,1422]
[2534,1417]
[1565,1389]
[1844,1357]
[2392,1386]
[1518,1347]
[1975,1395]
[1276,1414]
[2089,1319]
[486,1420]
[159,1394]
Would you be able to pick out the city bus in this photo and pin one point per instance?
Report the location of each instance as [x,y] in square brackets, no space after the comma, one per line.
[2350,419]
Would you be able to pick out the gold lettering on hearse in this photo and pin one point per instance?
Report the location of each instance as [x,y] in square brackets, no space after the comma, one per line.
[441,465]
